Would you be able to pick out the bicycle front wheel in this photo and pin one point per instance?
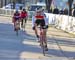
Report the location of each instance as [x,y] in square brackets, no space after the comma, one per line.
[43,48]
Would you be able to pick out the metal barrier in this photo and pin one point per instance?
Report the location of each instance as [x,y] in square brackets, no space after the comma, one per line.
[10,12]
[6,12]
[63,22]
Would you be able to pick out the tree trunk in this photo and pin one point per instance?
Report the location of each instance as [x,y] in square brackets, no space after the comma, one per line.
[14,2]
[70,6]
[13,5]
[48,4]
[1,3]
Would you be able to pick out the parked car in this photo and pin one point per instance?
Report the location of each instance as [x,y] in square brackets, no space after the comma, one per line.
[33,7]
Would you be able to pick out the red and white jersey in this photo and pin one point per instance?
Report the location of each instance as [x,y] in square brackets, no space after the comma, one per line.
[23,14]
[41,17]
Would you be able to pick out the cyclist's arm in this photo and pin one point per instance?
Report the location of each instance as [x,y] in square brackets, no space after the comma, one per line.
[46,20]
[72,12]
[33,21]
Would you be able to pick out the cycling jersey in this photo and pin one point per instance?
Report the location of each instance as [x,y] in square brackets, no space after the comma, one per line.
[16,16]
[23,14]
[34,20]
[39,17]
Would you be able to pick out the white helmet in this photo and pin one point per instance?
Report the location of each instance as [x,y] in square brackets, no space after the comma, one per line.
[38,10]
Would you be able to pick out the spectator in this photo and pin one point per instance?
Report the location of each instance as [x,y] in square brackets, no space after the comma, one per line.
[66,11]
[73,11]
[56,11]
[61,11]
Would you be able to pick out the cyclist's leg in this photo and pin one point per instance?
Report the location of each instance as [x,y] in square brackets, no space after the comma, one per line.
[15,28]
[22,22]
[45,39]
[25,20]
[36,30]
[37,22]
[41,37]
[19,24]
[44,32]
[14,23]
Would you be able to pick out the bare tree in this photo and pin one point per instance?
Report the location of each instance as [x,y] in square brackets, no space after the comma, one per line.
[48,4]
[14,2]
[70,5]
[1,3]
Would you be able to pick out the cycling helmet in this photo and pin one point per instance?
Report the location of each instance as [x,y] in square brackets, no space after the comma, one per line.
[24,9]
[38,10]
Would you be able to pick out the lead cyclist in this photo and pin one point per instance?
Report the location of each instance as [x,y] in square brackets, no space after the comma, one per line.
[40,19]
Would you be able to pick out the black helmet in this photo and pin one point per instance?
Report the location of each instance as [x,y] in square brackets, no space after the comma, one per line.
[24,9]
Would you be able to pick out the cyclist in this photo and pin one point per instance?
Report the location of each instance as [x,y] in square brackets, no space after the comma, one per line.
[39,18]
[16,16]
[24,16]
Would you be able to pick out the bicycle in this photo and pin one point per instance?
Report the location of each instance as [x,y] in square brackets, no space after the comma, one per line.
[42,41]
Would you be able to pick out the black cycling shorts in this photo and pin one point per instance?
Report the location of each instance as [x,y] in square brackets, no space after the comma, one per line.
[41,23]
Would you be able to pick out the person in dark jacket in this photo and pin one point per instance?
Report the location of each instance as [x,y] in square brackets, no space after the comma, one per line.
[56,11]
